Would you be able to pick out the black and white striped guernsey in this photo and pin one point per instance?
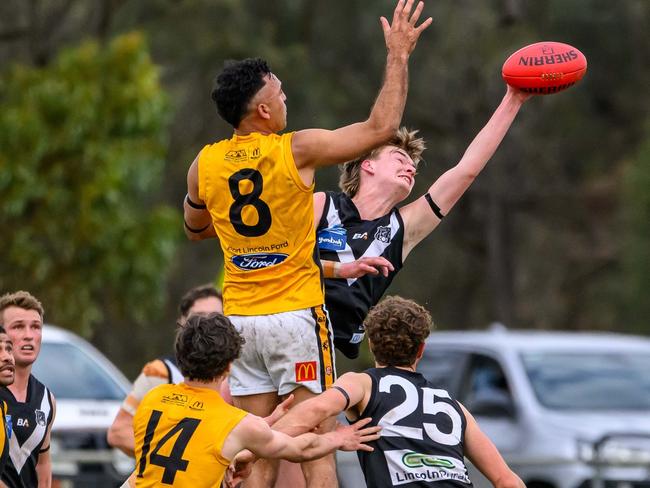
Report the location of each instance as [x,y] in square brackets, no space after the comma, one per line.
[344,237]
[422,436]
[29,422]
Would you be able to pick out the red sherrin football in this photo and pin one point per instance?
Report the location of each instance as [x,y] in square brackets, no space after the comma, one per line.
[544,67]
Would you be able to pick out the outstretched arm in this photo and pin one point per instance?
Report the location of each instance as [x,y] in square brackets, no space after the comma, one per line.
[254,434]
[308,414]
[484,455]
[419,217]
[320,147]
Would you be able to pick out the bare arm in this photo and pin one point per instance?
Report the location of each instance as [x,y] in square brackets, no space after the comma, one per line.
[484,455]
[370,265]
[120,433]
[197,219]
[44,464]
[308,414]
[254,434]
[319,147]
[319,206]
[419,218]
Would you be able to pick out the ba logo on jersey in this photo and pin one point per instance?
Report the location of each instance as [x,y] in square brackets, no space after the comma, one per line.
[251,262]
[383,234]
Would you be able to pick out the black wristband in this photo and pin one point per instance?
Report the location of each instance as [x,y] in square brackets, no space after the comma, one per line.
[194,205]
[45,449]
[195,231]
[345,394]
[434,207]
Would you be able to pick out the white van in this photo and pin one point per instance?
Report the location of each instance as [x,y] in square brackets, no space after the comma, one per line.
[89,390]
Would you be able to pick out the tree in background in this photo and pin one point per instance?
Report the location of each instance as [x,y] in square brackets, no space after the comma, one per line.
[83,142]
[635,282]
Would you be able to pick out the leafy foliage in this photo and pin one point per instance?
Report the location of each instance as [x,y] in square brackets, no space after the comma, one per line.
[82,148]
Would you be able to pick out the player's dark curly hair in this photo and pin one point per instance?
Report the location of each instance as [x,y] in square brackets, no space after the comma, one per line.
[206,346]
[396,327]
[236,86]
[194,294]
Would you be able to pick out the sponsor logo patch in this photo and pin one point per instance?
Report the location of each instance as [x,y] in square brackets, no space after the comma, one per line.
[406,466]
[197,405]
[306,371]
[175,399]
[238,155]
[332,238]
[251,262]
[360,235]
[357,338]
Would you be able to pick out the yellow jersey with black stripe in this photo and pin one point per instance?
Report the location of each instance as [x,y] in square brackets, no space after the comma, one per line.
[263,215]
[179,433]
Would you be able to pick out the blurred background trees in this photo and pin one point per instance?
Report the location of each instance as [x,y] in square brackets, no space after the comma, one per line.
[104,104]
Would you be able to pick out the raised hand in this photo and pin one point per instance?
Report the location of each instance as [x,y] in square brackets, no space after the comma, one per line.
[517,94]
[355,436]
[402,35]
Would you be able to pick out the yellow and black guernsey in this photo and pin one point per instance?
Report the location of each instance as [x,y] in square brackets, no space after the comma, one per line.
[179,433]
[4,437]
[263,215]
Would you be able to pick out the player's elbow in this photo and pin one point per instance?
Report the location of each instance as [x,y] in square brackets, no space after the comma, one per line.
[383,128]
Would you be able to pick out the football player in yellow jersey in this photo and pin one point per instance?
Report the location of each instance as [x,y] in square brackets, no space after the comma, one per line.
[254,192]
[7,372]
[186,434]
[200,299]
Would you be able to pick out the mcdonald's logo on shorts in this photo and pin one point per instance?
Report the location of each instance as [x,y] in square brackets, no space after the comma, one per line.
[306,371]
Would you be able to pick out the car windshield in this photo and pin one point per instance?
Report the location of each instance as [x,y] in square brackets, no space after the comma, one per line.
[590,380]
[73,374]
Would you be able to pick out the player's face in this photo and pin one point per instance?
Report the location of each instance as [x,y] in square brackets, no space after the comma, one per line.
[396,169]
[25,329]
[273,97]
[206,305]
[7,369]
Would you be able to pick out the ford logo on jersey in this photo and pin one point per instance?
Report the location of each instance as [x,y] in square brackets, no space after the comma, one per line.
[332,238]
[250,262]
